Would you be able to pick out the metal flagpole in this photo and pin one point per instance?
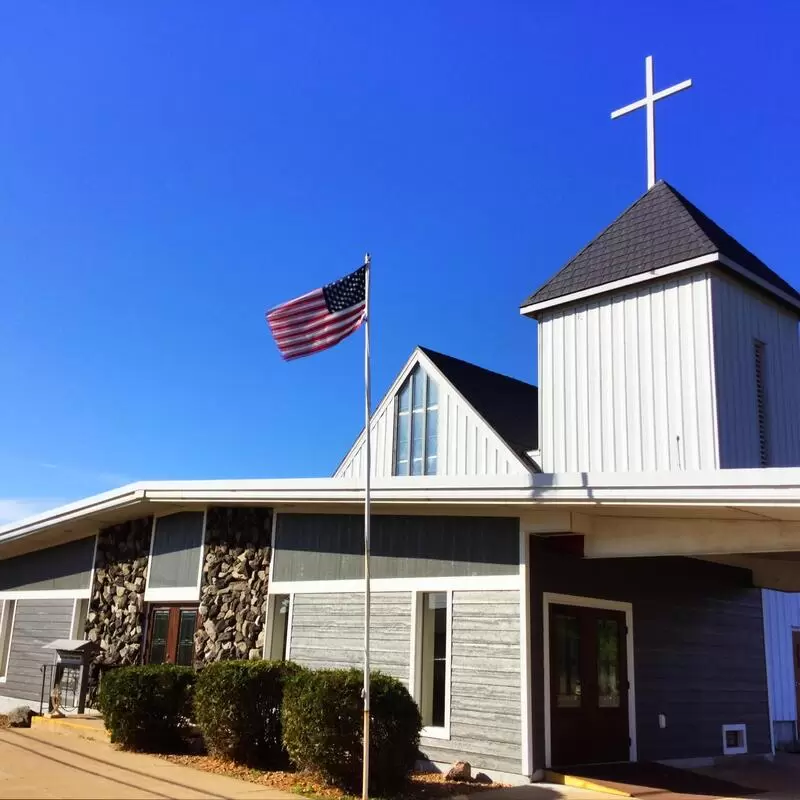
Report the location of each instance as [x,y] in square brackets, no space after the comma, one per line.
[365,772]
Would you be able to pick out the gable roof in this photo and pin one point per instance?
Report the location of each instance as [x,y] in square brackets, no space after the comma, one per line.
[508,405]
[660,229]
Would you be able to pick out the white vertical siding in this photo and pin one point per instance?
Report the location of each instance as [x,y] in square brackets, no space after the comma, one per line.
[467,445]
[626,382]
[781,617]
[740,317]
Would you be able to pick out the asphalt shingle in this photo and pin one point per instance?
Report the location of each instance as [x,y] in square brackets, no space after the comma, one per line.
[660,229]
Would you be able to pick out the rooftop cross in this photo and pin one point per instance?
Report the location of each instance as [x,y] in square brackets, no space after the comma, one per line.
[649,102]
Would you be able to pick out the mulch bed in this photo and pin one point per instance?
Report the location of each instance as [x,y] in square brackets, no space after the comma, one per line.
[421,786]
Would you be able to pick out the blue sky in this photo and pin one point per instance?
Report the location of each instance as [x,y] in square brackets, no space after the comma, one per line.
[170,170]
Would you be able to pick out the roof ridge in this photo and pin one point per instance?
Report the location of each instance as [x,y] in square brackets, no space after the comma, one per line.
[594,239]
[430,351]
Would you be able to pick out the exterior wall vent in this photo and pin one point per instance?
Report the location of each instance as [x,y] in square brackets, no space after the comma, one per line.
[734,740]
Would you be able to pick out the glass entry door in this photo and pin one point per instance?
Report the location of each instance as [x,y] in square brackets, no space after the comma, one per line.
[588,686]
[171,635]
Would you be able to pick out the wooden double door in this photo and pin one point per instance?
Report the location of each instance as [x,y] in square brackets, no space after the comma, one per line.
[170,634]
[588,686]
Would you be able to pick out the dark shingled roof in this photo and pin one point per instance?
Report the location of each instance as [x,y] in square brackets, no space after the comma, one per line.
[510,406]
[661,228]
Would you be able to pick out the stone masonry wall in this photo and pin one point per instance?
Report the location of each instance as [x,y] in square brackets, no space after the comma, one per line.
[233,593]
[116,611]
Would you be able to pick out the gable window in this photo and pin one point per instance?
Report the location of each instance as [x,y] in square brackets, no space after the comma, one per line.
[417,425]
[7,608]
[759,362]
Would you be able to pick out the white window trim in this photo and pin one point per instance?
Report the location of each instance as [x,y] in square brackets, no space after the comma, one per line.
[551,598]
[415,673]
[269,627]
[417,369]
[438,584]
[734,751]
[3,613]
[176,594]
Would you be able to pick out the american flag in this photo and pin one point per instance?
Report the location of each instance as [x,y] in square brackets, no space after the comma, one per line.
[320,319]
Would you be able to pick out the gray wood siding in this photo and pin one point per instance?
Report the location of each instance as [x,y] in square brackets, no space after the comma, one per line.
[328,631]
[485,711]
[310,547]
[698,647]
[37,622]
[741,316]
[66,566]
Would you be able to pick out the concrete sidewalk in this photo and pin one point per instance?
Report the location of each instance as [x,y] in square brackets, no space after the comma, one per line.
[43,764]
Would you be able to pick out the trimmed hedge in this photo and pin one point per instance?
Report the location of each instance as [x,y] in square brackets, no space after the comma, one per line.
[322,727]
[238,708]
[148,707]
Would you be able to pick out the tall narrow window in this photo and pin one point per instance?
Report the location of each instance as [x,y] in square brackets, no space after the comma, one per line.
[417,426]
[7,609]
[280,627]
[433,660]
[761,402]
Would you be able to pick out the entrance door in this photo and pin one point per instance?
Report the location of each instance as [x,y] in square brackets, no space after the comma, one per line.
[171,635]
[796,651]
[588,686]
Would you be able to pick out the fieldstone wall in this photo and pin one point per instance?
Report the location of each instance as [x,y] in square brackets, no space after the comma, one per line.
[116,611]
[233,593]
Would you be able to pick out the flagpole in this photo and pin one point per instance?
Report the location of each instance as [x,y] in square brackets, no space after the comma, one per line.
[367,454]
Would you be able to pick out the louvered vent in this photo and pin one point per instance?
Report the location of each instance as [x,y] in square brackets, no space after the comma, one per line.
[761,402]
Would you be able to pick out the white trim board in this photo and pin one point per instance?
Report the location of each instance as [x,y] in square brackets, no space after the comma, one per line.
[552,598]
[442,584]
[44,594]
[655,274]
[526,675]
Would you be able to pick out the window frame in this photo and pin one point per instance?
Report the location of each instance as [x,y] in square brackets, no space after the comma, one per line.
[7,620]
[410,381]
[175,594]
[415,682]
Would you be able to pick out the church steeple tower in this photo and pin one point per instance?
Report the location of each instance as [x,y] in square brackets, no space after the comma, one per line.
[666,345]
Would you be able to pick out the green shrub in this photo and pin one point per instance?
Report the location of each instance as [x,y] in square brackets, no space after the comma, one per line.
[322,727]
[237,705]
[148,708]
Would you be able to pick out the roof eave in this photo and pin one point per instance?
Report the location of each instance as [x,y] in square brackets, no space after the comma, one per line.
[533,309]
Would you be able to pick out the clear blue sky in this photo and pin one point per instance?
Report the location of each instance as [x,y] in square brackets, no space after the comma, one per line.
[170,170]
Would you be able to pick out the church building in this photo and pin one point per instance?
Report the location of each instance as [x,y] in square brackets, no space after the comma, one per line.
[564,574]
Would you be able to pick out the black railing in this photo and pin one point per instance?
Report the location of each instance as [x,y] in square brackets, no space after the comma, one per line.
[69,686]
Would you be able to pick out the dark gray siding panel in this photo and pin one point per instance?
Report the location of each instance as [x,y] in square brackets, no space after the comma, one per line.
[67,566]
[328,631]
[698,647]
[485,701]
[36,623]
[310,547]
[177,543]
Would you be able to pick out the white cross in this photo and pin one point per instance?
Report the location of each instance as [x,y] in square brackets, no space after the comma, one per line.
[649,102]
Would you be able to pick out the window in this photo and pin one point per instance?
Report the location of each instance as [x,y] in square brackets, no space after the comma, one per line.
[761,402]
[173,573]
[7,609]
[417,425]
[433,690]
[567,659]
[171,635]
[79,614]
[280,627]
